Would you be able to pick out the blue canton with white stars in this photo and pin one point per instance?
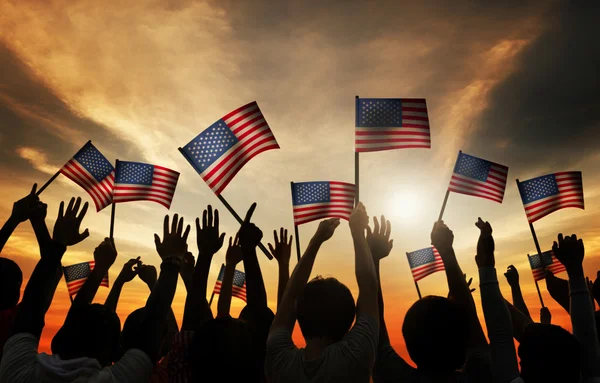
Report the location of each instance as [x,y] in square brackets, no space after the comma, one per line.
[94,162]
[472,167]
[421,257]
[546,260]
[210,145]
[538,188]
[239,277]
[134,173]
[379,112]
[311,192]
[78,271]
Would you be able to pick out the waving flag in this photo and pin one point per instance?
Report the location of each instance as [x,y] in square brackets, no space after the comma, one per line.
[478,177]
[322,199]
[220,151]
[93,172]
[239,284]
[136,181]
[546,194]
[391,123]
[77,274]
[547,261]
[424,262]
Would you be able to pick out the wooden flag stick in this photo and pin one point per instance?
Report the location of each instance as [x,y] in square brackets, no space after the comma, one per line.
[295,226]
[418,290]
[112,211]
[63,271]
[356,163]
[448,191]
[212,296]
[47,183]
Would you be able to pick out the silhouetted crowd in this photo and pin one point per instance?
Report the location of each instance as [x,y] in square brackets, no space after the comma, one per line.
[346,340]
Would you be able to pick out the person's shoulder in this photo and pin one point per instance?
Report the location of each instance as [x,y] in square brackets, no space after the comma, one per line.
[23,339]
[134,366]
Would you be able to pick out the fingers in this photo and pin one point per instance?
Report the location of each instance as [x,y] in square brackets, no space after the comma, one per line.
[369,232]
[282,238]
[560,238]
[221,239]
[271,249]
[388,229]
[216,221]
[70,206]
[204,219]
[231,243]
[291,240]
[197,225]
[375,225]
[250,213]
[174,223]
[61,209]
[33,189]
[83,211]
[275,237]
[236,241]
[76,206]
[186,232]
[165,226]
[84,235]
[180,226]
[156,240]
[210,216]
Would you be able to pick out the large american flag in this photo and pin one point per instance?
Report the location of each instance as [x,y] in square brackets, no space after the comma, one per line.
[478,177]
[391,123]
[322,199]
[220,151]
[547,261]
[239,284]
[77,274]
[424,262]
[136,181]
[93,172]
[546,194]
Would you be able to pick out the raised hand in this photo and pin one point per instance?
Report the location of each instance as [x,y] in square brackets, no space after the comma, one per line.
[25,207]
[359,220]
[512,275]
[130,269]
[442,237]
[249,234]
[148,274]
[66,228]
[38,212]
[545,316]
[570,252]
[283,248]
[208,237]
[485,245]
[173,246]
[379,239]
[234,252]
[105,254]
[326,229]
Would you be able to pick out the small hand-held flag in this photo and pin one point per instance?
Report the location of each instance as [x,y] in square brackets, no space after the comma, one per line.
[239,284]
[424,262]
[77,274]
[546,194]
[93,172]
[545,261]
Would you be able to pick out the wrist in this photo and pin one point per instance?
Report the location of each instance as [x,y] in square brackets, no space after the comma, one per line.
[230,265]
[575,271]
[283,265]
[12,221]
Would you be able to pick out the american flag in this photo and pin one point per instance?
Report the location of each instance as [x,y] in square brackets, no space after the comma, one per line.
[478,177]
[221,151]
[239,284]
[546,194]
[77,274]
[93,172]
[135,181]
[547,261]
[391,123]
[322,199]
[424,262]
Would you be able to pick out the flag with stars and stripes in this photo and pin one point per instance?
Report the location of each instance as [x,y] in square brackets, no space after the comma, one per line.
[93,172]
[77,274]
[546,194]
[424,262]
[391,123]
[478,177]
[239,284]
[136,181]
[221,151]
[322,199]
[547,261]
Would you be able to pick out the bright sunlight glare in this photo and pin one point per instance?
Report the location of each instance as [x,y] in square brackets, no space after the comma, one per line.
[405,205]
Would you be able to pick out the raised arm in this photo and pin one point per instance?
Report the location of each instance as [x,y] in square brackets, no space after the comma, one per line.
[282,251]
[559,290]
[148,275]
[129,271]
[232,258]
[104,256]
[364,268]
[286,311]
[21,212]
[250,237]
[512,277]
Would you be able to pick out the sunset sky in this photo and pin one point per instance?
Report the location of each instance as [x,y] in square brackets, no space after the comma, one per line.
[514,82]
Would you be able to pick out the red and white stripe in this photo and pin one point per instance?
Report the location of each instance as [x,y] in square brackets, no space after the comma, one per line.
[570,194]
[422,271]
[556,267]
[414,132]
[236,291]
[74,286]
[161,190]
[493,188]
[340,205]
[254,137]
[101,192]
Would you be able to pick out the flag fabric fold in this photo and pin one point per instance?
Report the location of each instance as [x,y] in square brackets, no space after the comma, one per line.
[322,199]
[77,274]
[239,284]
[424,262]
[547,261]
[546,194]
[478,177]
[220,151]
[136,181]
[93,172]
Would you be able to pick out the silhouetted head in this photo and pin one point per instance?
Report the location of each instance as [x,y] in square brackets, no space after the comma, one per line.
[133,331]
[436,332]
[325,309]
[225,344]
[89,331]
[11,279]
[549,353]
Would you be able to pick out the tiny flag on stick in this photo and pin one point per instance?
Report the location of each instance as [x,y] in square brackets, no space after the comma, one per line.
[239,284]
[546,194]
[136,181]
[77,274]
[220,151]
[424,262]
[93,172]
[322,199]
[391,123]
[478,177]
[547,261]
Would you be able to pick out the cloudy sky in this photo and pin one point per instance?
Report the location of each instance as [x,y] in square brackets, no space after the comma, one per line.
[514,82]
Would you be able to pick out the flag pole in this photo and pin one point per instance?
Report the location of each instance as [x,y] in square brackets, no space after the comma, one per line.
[40,190]
[112,210]
[447,192]
[211,298]
[416,284]
[63,272]
[295,226]
[356,158]
[537,244]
